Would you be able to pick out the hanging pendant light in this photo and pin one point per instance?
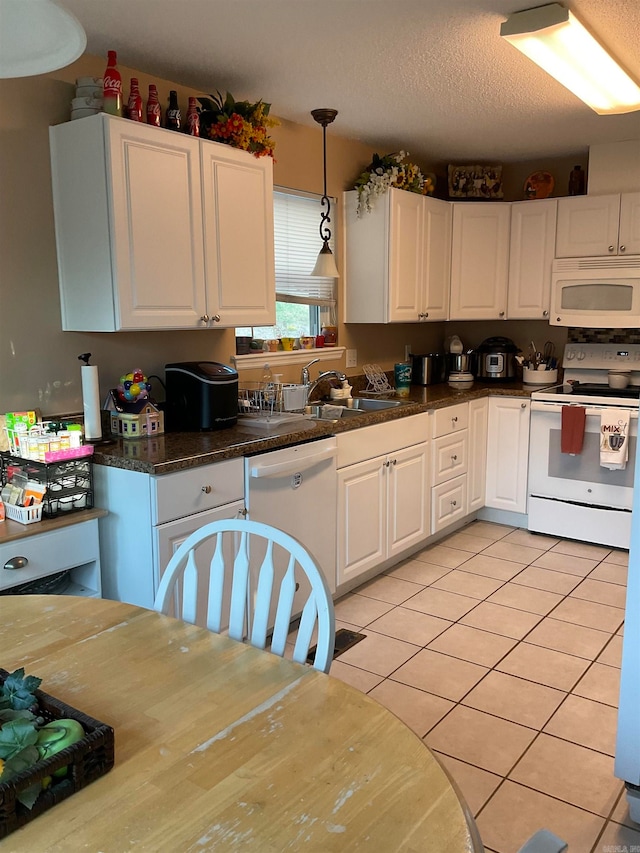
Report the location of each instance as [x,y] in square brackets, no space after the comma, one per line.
[326,263]
[37,36]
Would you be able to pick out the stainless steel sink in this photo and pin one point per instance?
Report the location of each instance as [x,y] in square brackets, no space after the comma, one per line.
[332,412]
[366,404]
[342,410]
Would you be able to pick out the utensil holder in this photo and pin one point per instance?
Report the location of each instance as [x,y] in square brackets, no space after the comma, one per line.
[539,377]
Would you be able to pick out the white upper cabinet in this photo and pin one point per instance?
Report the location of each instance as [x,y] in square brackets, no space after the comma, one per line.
[398,259]
[479,260]
[531,253]
[592,226]
[159,230]
[238,235]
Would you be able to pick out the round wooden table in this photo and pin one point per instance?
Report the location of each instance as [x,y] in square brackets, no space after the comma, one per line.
[221,746]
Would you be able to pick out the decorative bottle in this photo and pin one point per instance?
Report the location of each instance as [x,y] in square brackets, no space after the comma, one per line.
[576,181]
[174,119]
[134,105]
[193,119]
[112,87]
[154,111]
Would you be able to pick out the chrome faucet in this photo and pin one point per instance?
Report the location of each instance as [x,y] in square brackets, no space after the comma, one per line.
[305,371]
[328,374]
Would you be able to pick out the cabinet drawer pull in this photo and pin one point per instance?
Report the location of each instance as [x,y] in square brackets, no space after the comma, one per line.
[611,248]
[16,563]
[545,313]
[454,503]
[204,318]
[206,490]
[523,405]
[215,318]
[454,420]
[501,314]
[454,458]
[623,248]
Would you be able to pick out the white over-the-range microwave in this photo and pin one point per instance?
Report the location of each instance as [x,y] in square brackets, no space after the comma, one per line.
[596,292]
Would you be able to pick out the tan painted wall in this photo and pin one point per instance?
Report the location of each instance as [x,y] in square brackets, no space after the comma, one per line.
[38,362]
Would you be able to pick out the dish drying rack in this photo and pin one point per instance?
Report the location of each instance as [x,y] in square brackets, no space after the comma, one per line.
[271,403]
[377,380]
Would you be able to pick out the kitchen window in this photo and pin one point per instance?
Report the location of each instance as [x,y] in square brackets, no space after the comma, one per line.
[304,303]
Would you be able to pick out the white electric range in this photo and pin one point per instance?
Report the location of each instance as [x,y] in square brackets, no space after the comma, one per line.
[574,495]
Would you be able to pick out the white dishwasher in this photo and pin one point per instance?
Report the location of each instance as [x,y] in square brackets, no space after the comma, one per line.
[295,490]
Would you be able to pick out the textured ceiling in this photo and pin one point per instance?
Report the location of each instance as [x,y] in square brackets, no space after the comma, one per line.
[430,76]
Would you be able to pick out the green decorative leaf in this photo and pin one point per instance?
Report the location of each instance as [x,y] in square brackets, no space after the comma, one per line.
[7,714]
[15,736]
[20,689]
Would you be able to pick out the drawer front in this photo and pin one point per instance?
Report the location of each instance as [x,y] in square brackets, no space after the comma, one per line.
[198,489]
[449,502]
[450,455]
[368,442]
[48,553]
[451,419]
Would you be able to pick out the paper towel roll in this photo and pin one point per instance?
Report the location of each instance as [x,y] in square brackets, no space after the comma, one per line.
[91,402]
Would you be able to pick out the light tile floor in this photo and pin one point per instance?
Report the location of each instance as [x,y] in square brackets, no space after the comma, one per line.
[501,649]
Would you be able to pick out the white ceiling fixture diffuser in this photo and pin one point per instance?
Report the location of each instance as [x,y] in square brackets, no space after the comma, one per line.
[555,40]
[37,36]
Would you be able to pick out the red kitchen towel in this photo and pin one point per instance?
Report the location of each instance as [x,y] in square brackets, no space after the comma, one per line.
[573,423]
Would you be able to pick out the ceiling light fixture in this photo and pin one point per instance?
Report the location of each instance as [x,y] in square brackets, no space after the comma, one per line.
[326,263]
[555,40]
[37,36]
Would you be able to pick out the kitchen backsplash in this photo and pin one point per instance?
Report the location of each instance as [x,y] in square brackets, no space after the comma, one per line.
[603,336]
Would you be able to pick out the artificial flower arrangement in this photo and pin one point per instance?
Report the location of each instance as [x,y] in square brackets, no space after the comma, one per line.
[238,123]
[389,171]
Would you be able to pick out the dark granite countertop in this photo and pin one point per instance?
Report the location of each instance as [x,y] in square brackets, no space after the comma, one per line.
[177,451]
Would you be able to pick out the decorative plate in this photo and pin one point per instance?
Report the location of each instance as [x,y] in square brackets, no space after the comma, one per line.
[539,185]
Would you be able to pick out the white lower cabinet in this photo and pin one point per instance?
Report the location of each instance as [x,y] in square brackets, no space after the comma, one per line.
[383,494]
[508,453]
[477,468]
[449,502]
[169,537]
[450,451]
[150,516]
[37,556]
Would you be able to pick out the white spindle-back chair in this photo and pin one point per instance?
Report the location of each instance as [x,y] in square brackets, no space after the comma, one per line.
[252,557]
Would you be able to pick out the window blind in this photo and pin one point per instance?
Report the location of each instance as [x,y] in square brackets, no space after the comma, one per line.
[297,243]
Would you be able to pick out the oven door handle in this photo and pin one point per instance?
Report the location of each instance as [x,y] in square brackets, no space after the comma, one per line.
[552,408]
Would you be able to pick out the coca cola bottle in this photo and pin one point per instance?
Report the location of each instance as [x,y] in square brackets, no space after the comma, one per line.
[193,119]
[174,119]
[112,87]
[134,105]
[154,112]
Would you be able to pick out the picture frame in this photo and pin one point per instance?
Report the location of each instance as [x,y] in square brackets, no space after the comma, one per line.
[475,182]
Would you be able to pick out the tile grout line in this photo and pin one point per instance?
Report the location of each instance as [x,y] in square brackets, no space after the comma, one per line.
[567,693]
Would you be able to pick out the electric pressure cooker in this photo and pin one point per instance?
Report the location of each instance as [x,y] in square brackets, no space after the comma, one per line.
[497,359]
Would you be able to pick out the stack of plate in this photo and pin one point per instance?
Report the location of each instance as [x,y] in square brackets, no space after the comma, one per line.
[88,99]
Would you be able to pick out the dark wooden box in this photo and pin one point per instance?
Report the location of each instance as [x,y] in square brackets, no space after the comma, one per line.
[86,760]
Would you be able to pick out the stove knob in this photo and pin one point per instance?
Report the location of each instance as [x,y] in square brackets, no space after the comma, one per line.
[570,354]
[581,355]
